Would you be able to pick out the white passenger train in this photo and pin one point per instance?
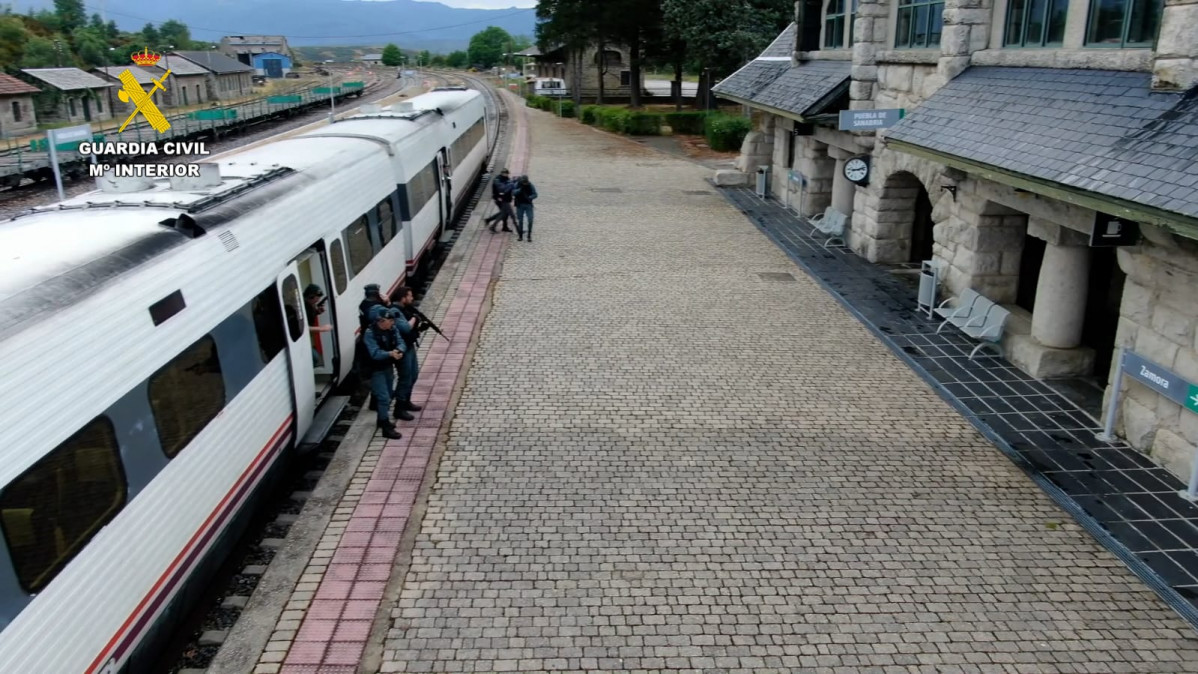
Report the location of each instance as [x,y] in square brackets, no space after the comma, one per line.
[157,362]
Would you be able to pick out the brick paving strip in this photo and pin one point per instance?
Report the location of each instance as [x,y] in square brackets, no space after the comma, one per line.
[675,451]
[327,624]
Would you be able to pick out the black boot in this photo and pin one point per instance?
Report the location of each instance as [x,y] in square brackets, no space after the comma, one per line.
[389,431]
[409,406]
[401,413]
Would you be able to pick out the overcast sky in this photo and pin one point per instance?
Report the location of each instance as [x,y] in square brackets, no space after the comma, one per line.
[486,4]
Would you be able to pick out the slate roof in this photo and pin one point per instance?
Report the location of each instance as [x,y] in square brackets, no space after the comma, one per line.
[782,45]
[66,79]
[1101,131]
[797,90]
[142,76]
[178,66]
[213,61]
[11,86]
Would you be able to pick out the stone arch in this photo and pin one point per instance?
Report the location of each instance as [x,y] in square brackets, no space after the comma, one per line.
[884,211]
[612,57]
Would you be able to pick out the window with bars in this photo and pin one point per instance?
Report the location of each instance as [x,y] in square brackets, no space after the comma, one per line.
[1123,23]
[919,24]
[1035,23]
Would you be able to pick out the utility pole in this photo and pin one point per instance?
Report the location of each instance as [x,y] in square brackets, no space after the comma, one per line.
[332,101]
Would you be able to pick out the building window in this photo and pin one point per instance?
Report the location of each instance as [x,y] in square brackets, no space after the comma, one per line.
[16,111]
[1123,23]
[99,105]
[1035,23]
[361,252]
[919,24]
[55,507]
[834,24]
[187,394]
[72,103]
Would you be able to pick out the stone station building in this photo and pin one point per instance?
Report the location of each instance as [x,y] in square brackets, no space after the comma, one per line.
[1030,133]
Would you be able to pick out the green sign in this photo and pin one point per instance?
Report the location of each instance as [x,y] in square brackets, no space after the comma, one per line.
[285,99]
[40,144]
[326,90]
[1192,398]
[352,85]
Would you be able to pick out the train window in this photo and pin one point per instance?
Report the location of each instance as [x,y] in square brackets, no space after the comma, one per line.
[386,221]
[268,324]
[422,188]
[56,506]
[293,306]
[357,236]
[187,394]
[337,258]
[468,140]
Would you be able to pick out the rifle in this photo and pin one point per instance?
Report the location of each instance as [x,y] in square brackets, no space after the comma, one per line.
[421,318]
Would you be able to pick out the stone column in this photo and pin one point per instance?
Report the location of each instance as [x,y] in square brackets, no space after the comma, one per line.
[870,35]
[1060,312]
[1175,67]
[843,190]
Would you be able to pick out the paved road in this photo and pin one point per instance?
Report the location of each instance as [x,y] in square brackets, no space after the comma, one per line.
[675,452]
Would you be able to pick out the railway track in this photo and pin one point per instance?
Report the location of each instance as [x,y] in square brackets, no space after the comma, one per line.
[14,200]
[199,640]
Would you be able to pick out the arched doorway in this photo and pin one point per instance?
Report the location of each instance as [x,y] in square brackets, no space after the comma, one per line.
[905,199]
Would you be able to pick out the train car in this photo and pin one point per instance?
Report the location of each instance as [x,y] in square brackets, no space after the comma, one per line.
[160,366]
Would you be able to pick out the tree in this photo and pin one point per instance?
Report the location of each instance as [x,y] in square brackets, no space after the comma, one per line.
[568,25]
[70,13]
[439,61]
[176,33]
[488,46]
[148,36]
[426,57]
[13,39]
[392,56]
[458,59]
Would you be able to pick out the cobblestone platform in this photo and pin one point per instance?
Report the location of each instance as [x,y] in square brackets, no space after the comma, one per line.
[676,452]
[1132,505]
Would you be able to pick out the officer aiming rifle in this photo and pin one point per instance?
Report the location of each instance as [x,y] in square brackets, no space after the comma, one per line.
[424,323]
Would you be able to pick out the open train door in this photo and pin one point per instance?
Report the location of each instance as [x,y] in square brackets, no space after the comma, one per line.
[299,348]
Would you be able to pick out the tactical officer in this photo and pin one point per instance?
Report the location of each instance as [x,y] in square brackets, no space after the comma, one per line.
[523,194]
[384,346]
[373,298]
[409,368]
[501,194]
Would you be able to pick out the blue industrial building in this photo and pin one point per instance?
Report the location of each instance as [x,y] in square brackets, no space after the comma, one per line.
[271,64]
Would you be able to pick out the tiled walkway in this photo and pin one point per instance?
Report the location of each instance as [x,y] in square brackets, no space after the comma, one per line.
[330,637]
[1120,496]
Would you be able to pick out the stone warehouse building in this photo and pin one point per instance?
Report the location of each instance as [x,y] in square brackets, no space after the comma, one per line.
[617,74]
[1045,158]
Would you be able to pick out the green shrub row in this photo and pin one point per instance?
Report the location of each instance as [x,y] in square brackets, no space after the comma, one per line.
[551,105]
[725,133]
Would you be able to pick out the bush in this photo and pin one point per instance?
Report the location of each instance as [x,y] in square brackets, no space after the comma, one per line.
[567,108]
[725,133]
[590,114]
[643,123]
[615,119]
[686,122]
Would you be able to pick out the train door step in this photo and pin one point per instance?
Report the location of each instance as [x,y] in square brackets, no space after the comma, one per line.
[323,422]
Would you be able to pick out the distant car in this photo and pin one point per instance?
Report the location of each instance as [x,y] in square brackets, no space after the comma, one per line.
[321,71]
[409,73]
[294,76]
[549,86]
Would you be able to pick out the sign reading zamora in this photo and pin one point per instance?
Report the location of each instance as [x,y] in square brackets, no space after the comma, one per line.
[1164,382]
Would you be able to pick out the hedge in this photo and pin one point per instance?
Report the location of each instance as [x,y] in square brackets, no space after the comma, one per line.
[590,114]
[725,133]
[686,122]
[643,124]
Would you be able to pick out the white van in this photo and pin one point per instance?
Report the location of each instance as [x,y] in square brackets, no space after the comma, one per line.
[549,86]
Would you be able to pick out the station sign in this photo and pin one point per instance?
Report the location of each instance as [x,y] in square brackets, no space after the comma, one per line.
[1109,231]
[870,120]
[1168,384]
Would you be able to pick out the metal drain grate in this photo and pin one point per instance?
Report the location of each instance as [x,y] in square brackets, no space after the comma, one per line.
[613,190]
[779,276]
[229,240]
[697,192]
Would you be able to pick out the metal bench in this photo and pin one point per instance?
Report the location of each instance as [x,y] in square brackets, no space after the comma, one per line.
[988,330]
[830,223]
[961,310]
[978,317]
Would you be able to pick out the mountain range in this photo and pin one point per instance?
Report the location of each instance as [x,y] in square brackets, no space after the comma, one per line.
[408,23]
